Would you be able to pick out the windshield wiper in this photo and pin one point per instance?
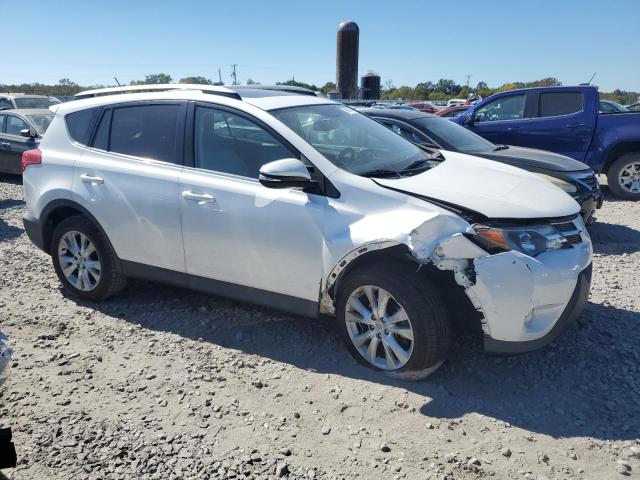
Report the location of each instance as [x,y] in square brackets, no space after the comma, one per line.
[381,172]
[415,165]
[500,147]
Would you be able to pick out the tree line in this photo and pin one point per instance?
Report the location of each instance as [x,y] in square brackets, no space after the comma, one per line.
[443,89]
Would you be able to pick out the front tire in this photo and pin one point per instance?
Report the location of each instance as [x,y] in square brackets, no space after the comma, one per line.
[623,176]
[392,320]
[84,260]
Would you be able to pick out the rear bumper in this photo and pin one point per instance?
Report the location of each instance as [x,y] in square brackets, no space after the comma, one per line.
[34,230]
[571,312]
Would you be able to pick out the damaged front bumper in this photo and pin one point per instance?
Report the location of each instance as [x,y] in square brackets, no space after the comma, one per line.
[525,302]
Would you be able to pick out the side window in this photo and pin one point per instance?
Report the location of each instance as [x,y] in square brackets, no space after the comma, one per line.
[505,108]
[14,125]
[229,143]
[101,139]
[406,133]
[560,103]
[80,124]
[147,131]
[5,103]
[2,117]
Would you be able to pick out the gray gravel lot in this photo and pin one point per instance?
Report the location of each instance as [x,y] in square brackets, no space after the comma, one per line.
[165,383]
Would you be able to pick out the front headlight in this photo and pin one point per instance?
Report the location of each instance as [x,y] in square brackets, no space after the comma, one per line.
[531,241]
[558,182]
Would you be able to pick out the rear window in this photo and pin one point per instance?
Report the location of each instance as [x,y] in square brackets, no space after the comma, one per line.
[80,124]
[35,102]
[560,103]
[149,131]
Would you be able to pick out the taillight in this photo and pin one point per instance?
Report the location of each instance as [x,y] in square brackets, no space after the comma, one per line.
[31,157]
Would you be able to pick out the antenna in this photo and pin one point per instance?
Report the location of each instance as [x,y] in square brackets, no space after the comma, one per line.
[116,79]
[592,77]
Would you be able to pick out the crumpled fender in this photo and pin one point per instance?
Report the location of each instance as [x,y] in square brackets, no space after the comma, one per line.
[419,231]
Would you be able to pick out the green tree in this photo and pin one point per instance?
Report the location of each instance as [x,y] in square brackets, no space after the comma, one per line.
[328,87]
[154,78]
[251,81]
[194,80]
[293,83]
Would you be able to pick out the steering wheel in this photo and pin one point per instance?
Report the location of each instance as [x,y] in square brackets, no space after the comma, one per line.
[347,154]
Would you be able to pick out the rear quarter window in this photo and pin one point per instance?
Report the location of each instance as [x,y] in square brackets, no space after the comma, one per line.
[560,103]
[80,124]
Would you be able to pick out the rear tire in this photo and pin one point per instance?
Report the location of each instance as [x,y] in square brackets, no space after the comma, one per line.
[623,176]
[84,260]
[422,350]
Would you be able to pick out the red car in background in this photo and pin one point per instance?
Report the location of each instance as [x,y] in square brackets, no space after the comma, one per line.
[452,111]
[426,107]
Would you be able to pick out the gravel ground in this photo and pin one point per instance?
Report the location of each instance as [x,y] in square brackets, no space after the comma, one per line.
[165,383]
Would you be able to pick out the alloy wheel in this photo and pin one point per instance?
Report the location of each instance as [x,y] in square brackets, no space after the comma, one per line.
[629,177]
[79,261]
[379,327]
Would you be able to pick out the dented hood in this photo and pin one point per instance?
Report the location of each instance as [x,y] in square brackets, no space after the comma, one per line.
[493,189]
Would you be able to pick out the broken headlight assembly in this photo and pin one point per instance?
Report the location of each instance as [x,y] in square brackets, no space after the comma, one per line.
[530,240]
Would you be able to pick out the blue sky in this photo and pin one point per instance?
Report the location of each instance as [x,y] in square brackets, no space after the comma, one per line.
[496,41]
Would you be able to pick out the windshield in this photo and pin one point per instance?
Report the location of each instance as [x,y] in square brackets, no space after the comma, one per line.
[40,122]
[35,102]
[452,136]
[350,140]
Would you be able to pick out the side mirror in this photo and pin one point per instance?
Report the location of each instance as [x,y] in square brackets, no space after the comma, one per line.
[28,132]
[469,118]
[285,173]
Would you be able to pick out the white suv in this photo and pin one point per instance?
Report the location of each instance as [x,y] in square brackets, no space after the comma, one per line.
[302,204]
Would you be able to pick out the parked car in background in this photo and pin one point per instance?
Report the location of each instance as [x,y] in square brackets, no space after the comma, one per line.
[306,205]
[456,101]
[427,107]
[452,111]
[20,130]
[24,101]
[607,106]
[634,107]
[574,177]
[564,120]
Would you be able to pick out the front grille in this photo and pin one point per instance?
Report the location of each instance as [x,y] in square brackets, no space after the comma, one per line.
[569,231]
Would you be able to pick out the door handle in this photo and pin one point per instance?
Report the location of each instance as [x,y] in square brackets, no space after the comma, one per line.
[90,179]
[513,128]
[574,125]
[5,144]
[198,197]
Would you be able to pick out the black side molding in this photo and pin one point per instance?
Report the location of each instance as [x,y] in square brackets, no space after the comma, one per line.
[277,301]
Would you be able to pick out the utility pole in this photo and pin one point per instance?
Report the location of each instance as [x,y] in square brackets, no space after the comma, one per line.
[233,74]
[468,77]
[220,76]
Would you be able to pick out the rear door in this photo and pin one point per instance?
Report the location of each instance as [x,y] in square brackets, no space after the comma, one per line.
[13,144]
[129,178]
[560,123]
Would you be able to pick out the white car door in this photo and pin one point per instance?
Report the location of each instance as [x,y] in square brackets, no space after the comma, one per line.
[129,181]
[240,233]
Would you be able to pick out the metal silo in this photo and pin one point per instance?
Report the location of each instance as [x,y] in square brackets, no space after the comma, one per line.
[370,86]
[347,59]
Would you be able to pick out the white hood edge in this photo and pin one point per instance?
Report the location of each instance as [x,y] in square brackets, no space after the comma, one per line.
[491,188]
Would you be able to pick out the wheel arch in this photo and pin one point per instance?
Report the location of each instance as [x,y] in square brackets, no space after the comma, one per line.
[617,151]
[56,211]
[463,314]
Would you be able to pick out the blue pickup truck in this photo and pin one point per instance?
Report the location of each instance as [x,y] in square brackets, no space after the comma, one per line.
[564,120]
